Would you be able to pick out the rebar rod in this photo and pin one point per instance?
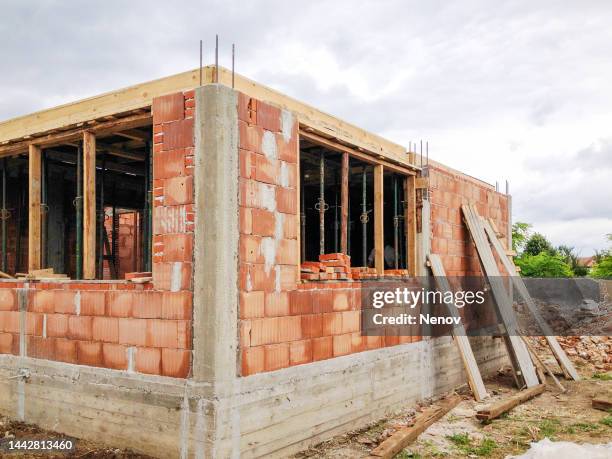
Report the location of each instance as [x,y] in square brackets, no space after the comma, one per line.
[102,229]
[395,224]
[4,216]
[321,203]
[302,222]
[364,216]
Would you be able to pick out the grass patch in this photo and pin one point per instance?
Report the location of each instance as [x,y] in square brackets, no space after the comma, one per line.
[408,455]
[607,421]
[603,376]
[549,427]
[585,426]
[463,442]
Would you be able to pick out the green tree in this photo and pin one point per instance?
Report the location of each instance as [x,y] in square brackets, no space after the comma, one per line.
[570,256]
[537,244]
[543,265]
[520,233]
[603,263]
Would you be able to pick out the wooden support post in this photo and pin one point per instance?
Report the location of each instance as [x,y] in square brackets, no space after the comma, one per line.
[89,205]
[344,191]
[410,227]
[34,219]
[379,234]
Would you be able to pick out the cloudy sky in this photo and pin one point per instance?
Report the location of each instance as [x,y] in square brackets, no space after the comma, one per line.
[513,90]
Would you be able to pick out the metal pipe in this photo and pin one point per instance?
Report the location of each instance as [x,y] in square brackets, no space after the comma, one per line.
[321,204]
[102,229]
[364,216]
[44,209]
[395,224]
[79,216]
[4,216]
[216,58]
[302,222]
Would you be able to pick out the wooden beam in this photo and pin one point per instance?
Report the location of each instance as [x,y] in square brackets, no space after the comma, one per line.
[601,404]
[403,437]
[344,192]
[89,205]
[34,215]
[461,339]
[495,410]
[410,227]
[134,134]
[379,233]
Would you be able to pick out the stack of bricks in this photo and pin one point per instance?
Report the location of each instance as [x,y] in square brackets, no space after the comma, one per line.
[331,266]
[114,325]
[362,272]
[127,258]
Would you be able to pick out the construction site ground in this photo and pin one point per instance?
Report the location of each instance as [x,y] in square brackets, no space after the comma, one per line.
[558,416]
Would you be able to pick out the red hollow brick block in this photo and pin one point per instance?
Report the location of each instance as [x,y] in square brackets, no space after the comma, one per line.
[323,301]
[341,300]
[263,222]
[8,300]
[266,170]
[175,363]
[162,333]
[358,343]
[41,348]
[148,360]
[276,304]
[178,134]
[64,302]
[170,219]
[288,251]
[268,116]
[244,108]
[184,334]
[89,353]
[245,333]
[178,190]
[42,301]
[133,331]
[332,323]
[34,324]
[351,321]
[168,108]
[374,342]
[288,277]
[342,344]
[93,303]
[247,163]
[286,200]
[252,360]
[114,356]
[322,348]
[176,305]
[246,220]
[312,325]
[105,329]
[250,249]
[169,164]
[264,331]
[66,350]
[6,343]
[300,302]
[163,272]
[252,304]
[120,303]
[249,137]
[287,151]
[262,279]
[249,195]
[147,305]
[300,352]
[290,224]
[289,328]
[276,356]
[80,327]
[178,247]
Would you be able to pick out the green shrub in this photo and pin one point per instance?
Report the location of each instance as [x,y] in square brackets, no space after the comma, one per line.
[543,265]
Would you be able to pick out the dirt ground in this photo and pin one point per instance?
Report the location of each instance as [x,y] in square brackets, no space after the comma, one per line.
[459,434]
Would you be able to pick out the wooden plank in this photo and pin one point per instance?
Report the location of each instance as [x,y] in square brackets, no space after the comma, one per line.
[495,410]
[461,340]
[34,214]
[422,182]
[379,234]
[538,361]
[519,354]
[601,404]
[89,205]
[564,361]
[344,196]
[402,438]
[410,227]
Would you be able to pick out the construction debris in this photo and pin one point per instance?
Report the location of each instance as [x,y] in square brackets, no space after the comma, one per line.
[601,404]
[403,437]
[493,411]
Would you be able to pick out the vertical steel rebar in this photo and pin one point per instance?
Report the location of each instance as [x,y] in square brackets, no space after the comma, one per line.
[79,216]
[321,203]
[148,213]
[364,216]
[302,222]
[395,223]
[4,216]
[102,229]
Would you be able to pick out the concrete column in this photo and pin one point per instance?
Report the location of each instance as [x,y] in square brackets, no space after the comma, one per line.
[215,301]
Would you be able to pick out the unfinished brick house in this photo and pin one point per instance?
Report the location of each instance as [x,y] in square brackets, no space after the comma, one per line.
[235,345]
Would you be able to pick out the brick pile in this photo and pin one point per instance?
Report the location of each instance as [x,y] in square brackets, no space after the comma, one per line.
[331,266]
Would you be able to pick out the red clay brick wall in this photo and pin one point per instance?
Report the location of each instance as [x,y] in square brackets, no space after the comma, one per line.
[108,323]
[450,237]
[283,323]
